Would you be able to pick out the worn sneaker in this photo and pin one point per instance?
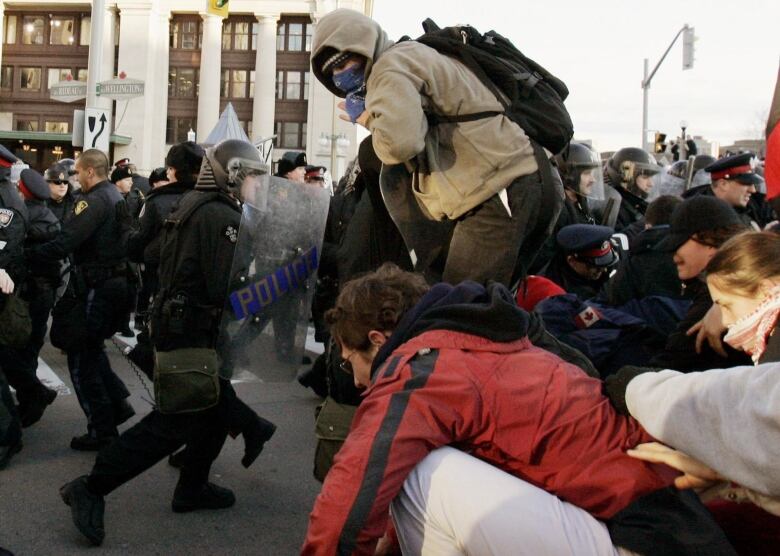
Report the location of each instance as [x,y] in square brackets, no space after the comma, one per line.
[87,509]
[209,497]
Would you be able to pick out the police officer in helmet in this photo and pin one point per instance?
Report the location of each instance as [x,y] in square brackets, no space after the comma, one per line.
[62,195]
[630,172]
[196,259]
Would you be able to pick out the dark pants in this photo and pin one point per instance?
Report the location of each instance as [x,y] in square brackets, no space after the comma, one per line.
[10,427]
[97,387]
[20,365]
[489,243]
[157,436]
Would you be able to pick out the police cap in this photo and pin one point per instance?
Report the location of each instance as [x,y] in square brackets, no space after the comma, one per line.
[289,162]
[7,158]
[32,183]
[737,168]
[591,244]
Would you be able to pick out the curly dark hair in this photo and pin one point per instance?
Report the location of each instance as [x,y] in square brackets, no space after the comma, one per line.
[375,301]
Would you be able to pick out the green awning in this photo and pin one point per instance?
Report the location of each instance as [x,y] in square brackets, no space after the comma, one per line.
[55,137]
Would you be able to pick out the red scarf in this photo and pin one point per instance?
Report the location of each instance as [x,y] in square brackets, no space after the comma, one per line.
[751,332]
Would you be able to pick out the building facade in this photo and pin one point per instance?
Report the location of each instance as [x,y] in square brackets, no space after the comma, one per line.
[192,64]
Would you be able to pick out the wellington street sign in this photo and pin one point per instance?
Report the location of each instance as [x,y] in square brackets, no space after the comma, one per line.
[121,89]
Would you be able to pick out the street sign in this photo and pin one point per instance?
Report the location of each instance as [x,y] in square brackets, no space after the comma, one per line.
[121,88]
[97,128]
[217,7]
[77,140]
[68,91]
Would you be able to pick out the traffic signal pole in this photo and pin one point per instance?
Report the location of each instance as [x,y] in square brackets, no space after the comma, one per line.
[648,78]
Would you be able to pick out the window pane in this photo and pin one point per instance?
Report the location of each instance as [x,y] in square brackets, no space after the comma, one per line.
[62,30]
[238,89]
[185,83]
[56,75]
[170,131]
[189,35]
[30,79]
[224,83]
[171,82]
[293,88]
[303,135]
[6,77]
[9,36]
[279,84]
[278,133]
[252,84]
[280,36]
[295,39]
[174,38]
[226,36]
[306,85]
[86,30]
[26,125]
[56,127]
[308,37]
[183,126]
[290,134]
[82,74]
[255,30]
[32,29]
[241,35]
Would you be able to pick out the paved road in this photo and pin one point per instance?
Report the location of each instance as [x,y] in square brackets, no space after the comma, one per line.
[274,496]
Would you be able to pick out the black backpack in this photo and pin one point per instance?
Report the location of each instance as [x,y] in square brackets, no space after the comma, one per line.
[532,97]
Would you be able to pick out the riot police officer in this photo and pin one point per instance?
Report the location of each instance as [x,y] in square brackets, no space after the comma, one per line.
[197,255]
[629,172]
[38,290]
[576,165]
[95,235]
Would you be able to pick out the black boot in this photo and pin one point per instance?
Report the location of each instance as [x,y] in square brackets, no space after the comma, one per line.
[208,497]
[86,508]
[122,412]
[89,443]
[255,437]
[176,460]
[7,452]
[33,409]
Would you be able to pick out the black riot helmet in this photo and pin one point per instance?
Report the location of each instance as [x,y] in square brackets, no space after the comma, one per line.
[629,163]
[61,171]
[228,165]
[574,160]
[679,169]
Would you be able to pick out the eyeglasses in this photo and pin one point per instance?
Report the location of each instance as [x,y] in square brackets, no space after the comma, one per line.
[346,364]
[59,182]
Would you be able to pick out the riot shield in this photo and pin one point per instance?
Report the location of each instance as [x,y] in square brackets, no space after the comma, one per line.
[426,240]
[665,183]
[605,211]
[278,245]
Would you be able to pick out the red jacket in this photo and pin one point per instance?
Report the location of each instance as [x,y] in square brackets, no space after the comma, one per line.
[513,405]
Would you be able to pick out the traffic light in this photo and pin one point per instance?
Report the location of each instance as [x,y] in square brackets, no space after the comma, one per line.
[217,7]
[688,39]
[660,144]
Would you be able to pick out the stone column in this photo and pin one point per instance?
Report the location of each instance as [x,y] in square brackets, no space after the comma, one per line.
[109,55]
[264,103]
[161,106]
[2,30]
[210,72]
[139,47]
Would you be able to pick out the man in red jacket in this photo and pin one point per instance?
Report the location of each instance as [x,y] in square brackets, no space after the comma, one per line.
[454,366]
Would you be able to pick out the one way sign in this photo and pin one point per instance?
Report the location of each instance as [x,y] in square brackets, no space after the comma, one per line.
[97,128]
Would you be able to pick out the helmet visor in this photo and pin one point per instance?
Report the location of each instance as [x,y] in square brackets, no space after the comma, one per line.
[250,180]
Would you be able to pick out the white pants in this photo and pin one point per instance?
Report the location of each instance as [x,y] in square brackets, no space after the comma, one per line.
[453,504]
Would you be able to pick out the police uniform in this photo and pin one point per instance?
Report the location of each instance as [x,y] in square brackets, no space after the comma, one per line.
[738,168]
[38,289]
[94,236]
[60,173]
[13,227]
[589,244]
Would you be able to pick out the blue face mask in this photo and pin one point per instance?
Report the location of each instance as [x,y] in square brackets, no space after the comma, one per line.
[350,79]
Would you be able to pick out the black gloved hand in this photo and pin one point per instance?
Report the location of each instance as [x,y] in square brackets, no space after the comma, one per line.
[616,384]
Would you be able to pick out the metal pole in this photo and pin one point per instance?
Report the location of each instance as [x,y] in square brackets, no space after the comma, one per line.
[97,24]
[645,87]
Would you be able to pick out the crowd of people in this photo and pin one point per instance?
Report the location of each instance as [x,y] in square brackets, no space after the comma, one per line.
[526,351]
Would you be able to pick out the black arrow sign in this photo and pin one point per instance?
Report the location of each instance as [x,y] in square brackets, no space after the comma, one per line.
[102,127]
[91,123]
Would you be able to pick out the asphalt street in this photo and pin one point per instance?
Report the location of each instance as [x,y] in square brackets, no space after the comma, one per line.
[274,496]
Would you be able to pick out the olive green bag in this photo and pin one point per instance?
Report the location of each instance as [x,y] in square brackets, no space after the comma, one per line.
[186,380]
[15,322]
[334,420]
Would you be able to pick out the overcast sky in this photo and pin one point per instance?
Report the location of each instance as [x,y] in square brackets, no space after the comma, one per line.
[597,48]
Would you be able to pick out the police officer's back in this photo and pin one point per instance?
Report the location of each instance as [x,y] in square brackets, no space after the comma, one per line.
[13,220]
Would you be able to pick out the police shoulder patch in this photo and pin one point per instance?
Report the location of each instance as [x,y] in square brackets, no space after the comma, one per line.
[6,216]
[231,233]
[80,207]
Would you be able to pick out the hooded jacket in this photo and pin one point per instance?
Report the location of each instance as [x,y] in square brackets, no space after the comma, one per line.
[449,375]
[458,165]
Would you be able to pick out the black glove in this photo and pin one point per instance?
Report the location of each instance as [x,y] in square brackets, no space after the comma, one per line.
[616,384]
